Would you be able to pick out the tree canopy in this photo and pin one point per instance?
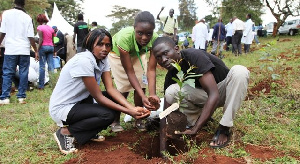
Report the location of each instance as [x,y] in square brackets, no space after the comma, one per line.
[69,9]
[281,10]
[188,16]
[121,17]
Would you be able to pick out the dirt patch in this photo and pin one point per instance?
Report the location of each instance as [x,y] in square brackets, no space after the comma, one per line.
[264,86]
[284,40]
[134,147]
[263,153]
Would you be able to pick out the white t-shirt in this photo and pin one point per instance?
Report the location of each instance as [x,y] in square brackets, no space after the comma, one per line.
[18,27]
[70,88]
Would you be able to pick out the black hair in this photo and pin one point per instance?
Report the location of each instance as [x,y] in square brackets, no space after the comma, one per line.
[89,40]
[80,17]
[249,16]
[94,23]
[20,2]
[164,39]
[144,16]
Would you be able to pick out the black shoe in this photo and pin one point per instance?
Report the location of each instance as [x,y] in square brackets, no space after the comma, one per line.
[65,142]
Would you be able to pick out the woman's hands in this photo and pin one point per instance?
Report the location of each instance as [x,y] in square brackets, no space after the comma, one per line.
[151,103]
[139,112]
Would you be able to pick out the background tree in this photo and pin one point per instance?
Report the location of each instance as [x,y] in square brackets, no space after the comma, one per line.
[32,7]
[229,8]
[69,9]
[188,16]
[281,10]
[239,8]
[121,17]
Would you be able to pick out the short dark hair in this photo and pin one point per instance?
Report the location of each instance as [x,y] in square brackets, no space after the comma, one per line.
[80,17]
[249,15]
[89,40]
[20,2]
[164,39]
[94,23]
[144,16]
[41,18]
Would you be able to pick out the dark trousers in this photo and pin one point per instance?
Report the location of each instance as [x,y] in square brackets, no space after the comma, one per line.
[236,42]
[87,119]
[247,48]
[228,42]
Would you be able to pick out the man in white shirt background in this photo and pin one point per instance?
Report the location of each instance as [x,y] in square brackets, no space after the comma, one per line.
[200,35]
[238,28]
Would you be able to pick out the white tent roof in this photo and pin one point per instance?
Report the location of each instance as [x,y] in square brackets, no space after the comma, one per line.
[58,21]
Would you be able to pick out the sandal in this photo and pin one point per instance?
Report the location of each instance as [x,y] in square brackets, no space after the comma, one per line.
[217,135]
[116,128]
[98,138]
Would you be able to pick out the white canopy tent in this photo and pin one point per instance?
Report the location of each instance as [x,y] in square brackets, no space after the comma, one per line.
[58,21]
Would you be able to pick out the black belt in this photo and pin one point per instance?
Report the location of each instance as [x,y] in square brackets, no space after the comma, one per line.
[168,33]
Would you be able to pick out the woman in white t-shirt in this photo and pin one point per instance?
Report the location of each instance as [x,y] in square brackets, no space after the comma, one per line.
[71,103]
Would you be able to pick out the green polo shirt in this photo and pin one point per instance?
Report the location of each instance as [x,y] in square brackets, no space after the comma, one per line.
[125,39]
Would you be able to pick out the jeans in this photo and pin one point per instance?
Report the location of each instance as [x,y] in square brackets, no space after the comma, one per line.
[9,70]
[45,55]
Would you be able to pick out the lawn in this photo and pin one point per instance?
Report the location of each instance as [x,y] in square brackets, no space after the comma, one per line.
[268,121]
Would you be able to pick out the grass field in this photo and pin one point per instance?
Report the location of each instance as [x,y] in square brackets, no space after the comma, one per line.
[269,118]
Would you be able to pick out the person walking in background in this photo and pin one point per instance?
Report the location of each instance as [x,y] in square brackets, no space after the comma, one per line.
[94,26]
[17,28]
[255,34]
[70,48]
[72,104]
[170,25]
[59,45]
[229,30]
[80,31]
[129,65]
[218,38]
[238,28]
[247,34]
[46,48]
[200,35]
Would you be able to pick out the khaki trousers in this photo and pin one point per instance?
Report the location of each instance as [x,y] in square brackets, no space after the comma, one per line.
[232,91]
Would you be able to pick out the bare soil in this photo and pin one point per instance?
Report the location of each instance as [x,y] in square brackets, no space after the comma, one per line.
[134,147]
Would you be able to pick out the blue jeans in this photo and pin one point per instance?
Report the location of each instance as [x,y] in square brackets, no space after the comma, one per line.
[45,55]
[9,70]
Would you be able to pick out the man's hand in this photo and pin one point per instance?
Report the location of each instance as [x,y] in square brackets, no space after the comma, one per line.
[162,8]
[187,132]
[155,101]
[147,104]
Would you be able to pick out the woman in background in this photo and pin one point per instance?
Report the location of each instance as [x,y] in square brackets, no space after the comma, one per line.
[46,47]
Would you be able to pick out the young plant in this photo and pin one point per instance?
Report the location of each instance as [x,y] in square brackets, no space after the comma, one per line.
[184,79]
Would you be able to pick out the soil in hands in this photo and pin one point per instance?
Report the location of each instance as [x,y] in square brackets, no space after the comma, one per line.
[154,102]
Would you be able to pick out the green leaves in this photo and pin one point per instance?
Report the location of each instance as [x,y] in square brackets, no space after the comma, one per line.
[184,79]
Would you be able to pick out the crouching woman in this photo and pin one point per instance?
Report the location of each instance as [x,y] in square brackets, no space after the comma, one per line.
[71,103]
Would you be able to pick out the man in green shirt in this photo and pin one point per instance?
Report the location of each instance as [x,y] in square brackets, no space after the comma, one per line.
[170,24]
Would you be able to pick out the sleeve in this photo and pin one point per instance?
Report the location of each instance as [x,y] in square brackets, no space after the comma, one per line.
[82,67]
[75,28]
[30,32]
[106,65]
[124,43]
[3,23]
[214,35]
[163,19]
